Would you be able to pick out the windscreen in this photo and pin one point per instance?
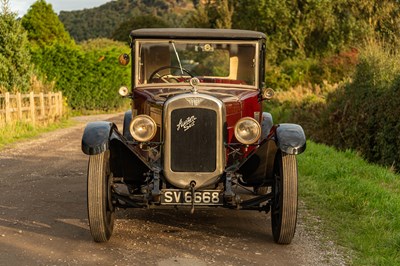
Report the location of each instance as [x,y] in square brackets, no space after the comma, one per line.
[177,61]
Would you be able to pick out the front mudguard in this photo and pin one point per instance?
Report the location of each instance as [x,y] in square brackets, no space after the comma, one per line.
[290,138]
[258,168]
[96,137]
[124,160]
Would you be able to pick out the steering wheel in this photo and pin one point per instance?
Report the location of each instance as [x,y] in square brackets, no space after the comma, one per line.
[168,67]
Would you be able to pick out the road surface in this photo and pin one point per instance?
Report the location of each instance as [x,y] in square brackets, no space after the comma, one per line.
[43,219]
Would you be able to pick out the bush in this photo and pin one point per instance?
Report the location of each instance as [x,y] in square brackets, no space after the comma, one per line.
[366,105]
[298,71]
[339,66]
[363,114]
[293,72]
[305,105]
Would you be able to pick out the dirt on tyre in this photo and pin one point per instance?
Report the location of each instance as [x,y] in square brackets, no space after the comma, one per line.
[284,202]
[99,197]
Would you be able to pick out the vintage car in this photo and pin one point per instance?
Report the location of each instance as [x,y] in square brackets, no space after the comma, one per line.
[196,135]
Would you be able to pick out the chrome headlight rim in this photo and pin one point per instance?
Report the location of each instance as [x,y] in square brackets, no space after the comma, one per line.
[240,138]
[147,137]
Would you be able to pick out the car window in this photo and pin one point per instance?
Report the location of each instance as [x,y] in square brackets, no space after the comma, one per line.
[212,62]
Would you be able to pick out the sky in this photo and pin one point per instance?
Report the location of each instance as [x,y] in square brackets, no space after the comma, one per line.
[21,6]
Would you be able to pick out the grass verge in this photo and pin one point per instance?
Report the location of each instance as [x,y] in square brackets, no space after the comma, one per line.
[19,131]
[359,203]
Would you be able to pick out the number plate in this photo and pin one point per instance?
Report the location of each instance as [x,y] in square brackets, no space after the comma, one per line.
[184,197]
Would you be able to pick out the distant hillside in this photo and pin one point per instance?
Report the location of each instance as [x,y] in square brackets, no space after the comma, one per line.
[102,21]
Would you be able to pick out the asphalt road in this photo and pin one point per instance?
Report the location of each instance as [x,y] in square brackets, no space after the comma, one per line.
[43,219]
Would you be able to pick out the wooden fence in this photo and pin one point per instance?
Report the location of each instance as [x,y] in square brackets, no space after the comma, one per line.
[32,108]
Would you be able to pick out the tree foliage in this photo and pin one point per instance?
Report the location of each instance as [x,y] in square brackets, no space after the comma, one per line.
[43,25]
[103,44]
[317,27]
[213,14]
[103,21]
[295,28]
[307,41]
[146,21]
[15,67]
[88,77]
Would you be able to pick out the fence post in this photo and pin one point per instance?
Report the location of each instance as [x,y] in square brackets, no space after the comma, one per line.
[19,105]
[60,102]
[42,111]
[32,107]
[51,96]
[56,104]
[8,110]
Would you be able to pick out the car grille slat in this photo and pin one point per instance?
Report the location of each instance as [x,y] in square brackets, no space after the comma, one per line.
[193,140]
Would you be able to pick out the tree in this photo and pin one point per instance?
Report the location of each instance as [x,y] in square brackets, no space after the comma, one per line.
[102,44]
[43,26]
[247,15]
[213,14]
[225,12]
[317,28]
[15,67]
[102,21]
[199,18]
[378,18]
[146,21]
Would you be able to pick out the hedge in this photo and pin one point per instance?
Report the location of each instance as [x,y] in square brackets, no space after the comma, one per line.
[89,79]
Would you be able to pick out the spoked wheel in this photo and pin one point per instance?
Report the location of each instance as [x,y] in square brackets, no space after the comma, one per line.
[99,201]
[284,202]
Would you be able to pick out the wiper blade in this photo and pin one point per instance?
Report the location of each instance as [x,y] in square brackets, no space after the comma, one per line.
[177,56]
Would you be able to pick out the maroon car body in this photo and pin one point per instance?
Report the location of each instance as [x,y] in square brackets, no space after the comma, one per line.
[196,135]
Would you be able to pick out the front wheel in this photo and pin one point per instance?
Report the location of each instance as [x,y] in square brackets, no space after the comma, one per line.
[99,201]
[284,202]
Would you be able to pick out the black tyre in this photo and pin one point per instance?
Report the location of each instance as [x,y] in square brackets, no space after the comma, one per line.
[99,202]
[284,203]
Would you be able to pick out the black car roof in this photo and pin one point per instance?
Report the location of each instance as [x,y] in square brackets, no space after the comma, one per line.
[195,33]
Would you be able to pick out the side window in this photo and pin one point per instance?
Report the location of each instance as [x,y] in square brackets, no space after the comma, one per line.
[151,58]
[246,64]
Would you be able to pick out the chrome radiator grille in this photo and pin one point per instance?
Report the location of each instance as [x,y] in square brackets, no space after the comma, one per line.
[193,140]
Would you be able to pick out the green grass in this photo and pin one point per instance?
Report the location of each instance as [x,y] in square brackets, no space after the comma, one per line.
[359,203]
[20,131]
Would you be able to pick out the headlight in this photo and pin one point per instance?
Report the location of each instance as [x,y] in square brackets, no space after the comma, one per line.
[247,130]
[143,128]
